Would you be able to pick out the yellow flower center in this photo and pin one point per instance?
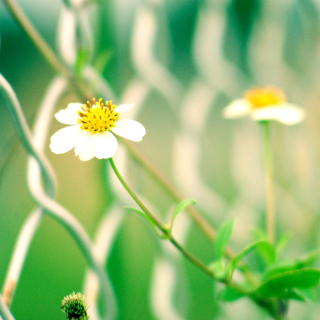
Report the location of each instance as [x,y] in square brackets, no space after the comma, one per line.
[263,97]
[98,117]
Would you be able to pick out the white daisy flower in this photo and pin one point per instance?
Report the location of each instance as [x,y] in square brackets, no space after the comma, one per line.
[264,104]
[92,128]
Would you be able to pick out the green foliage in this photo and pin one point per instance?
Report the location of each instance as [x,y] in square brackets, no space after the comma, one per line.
[223,238]
[180,207]
[81,62]
[278,284]
[218,269]
[301,263]
[146,218]
[229,295]
[256,245]
[102,60]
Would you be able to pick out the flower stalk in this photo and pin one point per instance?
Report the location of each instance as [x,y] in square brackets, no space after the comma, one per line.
[165,231]
[268,167]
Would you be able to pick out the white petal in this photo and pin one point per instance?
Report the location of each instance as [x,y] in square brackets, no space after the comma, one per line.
[84,141]
[65,139]
[123,107]
[237,109]
[288,114]
[70,114]
[104,144]
[129,129]
[86,154]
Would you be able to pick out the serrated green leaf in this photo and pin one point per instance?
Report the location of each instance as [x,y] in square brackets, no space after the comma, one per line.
[180,207]
[277,284]
[229,295]
[223,237]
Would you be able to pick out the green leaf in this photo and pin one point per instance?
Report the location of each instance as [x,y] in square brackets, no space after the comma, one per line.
[310,293]
[277,284]
[82,60]
[293,295]
[229,295]
[282,242]
[267,252]
[102,60]
[218,269]
[308,259]
[292,265]
[223,237]
[234,262]
[180,207]
[148,219]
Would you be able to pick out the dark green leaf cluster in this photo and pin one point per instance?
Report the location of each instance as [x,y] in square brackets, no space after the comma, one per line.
[74,307]
[279,281]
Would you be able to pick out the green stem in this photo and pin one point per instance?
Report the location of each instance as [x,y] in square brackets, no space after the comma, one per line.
[188,255]
[83,92]
[169,236]
[269,181]
[43,47]
[172,191]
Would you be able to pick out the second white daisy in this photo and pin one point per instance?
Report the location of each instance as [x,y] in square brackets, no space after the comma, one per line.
[92,127]
[264,104]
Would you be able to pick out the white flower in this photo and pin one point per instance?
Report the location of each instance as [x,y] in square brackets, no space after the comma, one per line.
[264,104]
[90,131]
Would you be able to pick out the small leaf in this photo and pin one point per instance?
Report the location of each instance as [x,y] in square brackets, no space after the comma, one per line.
[148,219]
[308,259]
[82,60]
[234,262]
[218,269]
[292,265]
[267,252]
[310,293]
[277,284]
[180,207]
[102,60]
[229,295]
[223,237]
[283,241]
[293,295]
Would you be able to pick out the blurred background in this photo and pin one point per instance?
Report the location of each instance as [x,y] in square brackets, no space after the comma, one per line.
[181,62]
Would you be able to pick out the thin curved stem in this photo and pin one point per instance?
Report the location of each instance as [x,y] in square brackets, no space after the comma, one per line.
[270,221]
[166,232]
[188,255]
[43,47]
[82,91]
